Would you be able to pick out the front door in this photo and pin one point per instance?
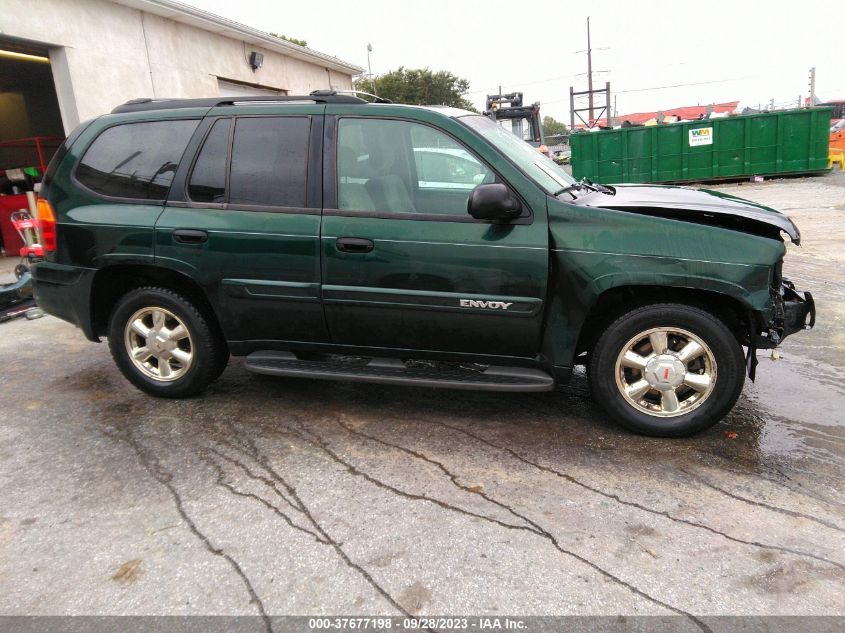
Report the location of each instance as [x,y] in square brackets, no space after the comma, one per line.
[405,266]
[243,220]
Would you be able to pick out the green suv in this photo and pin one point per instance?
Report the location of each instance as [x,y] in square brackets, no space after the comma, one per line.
[326,237]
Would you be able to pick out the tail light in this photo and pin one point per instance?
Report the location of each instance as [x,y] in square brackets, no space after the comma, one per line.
[47,224]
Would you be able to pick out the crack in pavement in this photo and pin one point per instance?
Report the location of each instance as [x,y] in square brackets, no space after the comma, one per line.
[537,529]
[248,447]
[779,477]
[792,513]
[265,480]
[532,528]
[153,466]
[221,481]
[323,445]
[634,504]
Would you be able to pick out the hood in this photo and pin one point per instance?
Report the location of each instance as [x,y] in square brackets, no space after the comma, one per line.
[693,205]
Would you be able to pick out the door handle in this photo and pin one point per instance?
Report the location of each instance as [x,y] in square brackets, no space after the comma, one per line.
[190,236]
[354,245]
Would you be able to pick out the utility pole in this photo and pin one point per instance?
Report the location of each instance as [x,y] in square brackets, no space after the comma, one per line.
[370,68]
[604,105]
[590,70]
[812,86]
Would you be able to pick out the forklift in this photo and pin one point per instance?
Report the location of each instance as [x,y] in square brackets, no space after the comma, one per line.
[511,114]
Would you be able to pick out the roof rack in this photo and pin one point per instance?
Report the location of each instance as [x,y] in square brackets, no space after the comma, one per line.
[376,98]
[318,96]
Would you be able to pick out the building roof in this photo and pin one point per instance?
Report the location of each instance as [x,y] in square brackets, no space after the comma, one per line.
[686,113]
[206,21]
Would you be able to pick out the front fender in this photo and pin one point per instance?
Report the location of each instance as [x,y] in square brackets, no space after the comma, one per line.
[597,250]
[580,278]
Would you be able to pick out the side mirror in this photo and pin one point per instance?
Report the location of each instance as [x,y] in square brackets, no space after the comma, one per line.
[493,202]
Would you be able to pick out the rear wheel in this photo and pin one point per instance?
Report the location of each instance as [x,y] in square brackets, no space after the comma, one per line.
[667,370]
[163,344]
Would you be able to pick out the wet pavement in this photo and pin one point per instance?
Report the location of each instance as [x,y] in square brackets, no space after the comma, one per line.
[283,496]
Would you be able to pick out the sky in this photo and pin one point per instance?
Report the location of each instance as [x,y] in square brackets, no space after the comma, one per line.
[656,55]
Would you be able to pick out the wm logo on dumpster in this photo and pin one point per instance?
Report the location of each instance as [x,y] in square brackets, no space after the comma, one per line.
[701,136]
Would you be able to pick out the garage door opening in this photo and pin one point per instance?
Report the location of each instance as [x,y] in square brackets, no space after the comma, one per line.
[30,128]
[29,107]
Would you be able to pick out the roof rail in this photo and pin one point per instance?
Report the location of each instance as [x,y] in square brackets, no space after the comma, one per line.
[318,96]
[376,98]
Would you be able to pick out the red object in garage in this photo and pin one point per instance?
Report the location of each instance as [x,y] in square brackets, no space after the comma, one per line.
[23,152]
[11,240]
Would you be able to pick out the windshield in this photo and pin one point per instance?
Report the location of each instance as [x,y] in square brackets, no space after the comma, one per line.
[539,167]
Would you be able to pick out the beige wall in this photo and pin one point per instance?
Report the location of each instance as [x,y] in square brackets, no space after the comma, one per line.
[105,54]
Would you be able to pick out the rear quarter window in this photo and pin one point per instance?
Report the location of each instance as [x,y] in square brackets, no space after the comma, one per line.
[135,160]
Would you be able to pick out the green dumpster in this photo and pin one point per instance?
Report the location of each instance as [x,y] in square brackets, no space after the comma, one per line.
[766,144]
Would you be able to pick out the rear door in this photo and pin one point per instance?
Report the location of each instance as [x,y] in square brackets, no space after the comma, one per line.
[404,265]
[243,220]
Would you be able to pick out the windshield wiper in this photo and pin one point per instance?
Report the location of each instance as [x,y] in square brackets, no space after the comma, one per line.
[583,184]
[569,189]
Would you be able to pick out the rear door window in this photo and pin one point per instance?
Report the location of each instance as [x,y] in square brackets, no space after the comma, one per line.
[135,160]
[270,161]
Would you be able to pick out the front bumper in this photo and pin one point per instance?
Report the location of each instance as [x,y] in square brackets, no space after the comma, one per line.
[799,312]
[793,311]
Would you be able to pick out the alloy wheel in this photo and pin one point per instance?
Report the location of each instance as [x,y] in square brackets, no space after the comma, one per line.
[665,371]
[159,344]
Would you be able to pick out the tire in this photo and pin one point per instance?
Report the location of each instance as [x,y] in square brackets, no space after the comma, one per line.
[187,355]
[702,365]
[222,362]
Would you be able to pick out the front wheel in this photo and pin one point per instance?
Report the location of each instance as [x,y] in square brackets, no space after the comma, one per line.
[163,344]
[667,370]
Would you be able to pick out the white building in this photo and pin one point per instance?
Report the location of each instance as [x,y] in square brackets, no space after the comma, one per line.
[65,61]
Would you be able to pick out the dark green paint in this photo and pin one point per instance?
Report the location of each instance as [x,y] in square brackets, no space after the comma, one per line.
[247,267]
[276,279]
[596,250]
[419,263]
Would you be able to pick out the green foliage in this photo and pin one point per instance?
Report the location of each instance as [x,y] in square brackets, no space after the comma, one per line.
[552,127]
[418,86]
[292,40]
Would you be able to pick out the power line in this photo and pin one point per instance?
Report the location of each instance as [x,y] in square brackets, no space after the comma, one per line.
[550,79]
[522,83]
[696,83]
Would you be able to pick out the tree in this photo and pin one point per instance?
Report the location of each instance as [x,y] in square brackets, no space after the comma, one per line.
[418,86]
[292,40]
[553,127]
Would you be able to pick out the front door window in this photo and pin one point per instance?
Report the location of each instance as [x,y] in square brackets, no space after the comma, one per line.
[400,167]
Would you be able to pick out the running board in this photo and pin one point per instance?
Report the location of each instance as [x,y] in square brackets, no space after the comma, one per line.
[392,371]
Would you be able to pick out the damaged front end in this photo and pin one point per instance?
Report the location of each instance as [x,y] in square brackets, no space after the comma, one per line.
[700,206]
[790,311]
[793,311]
